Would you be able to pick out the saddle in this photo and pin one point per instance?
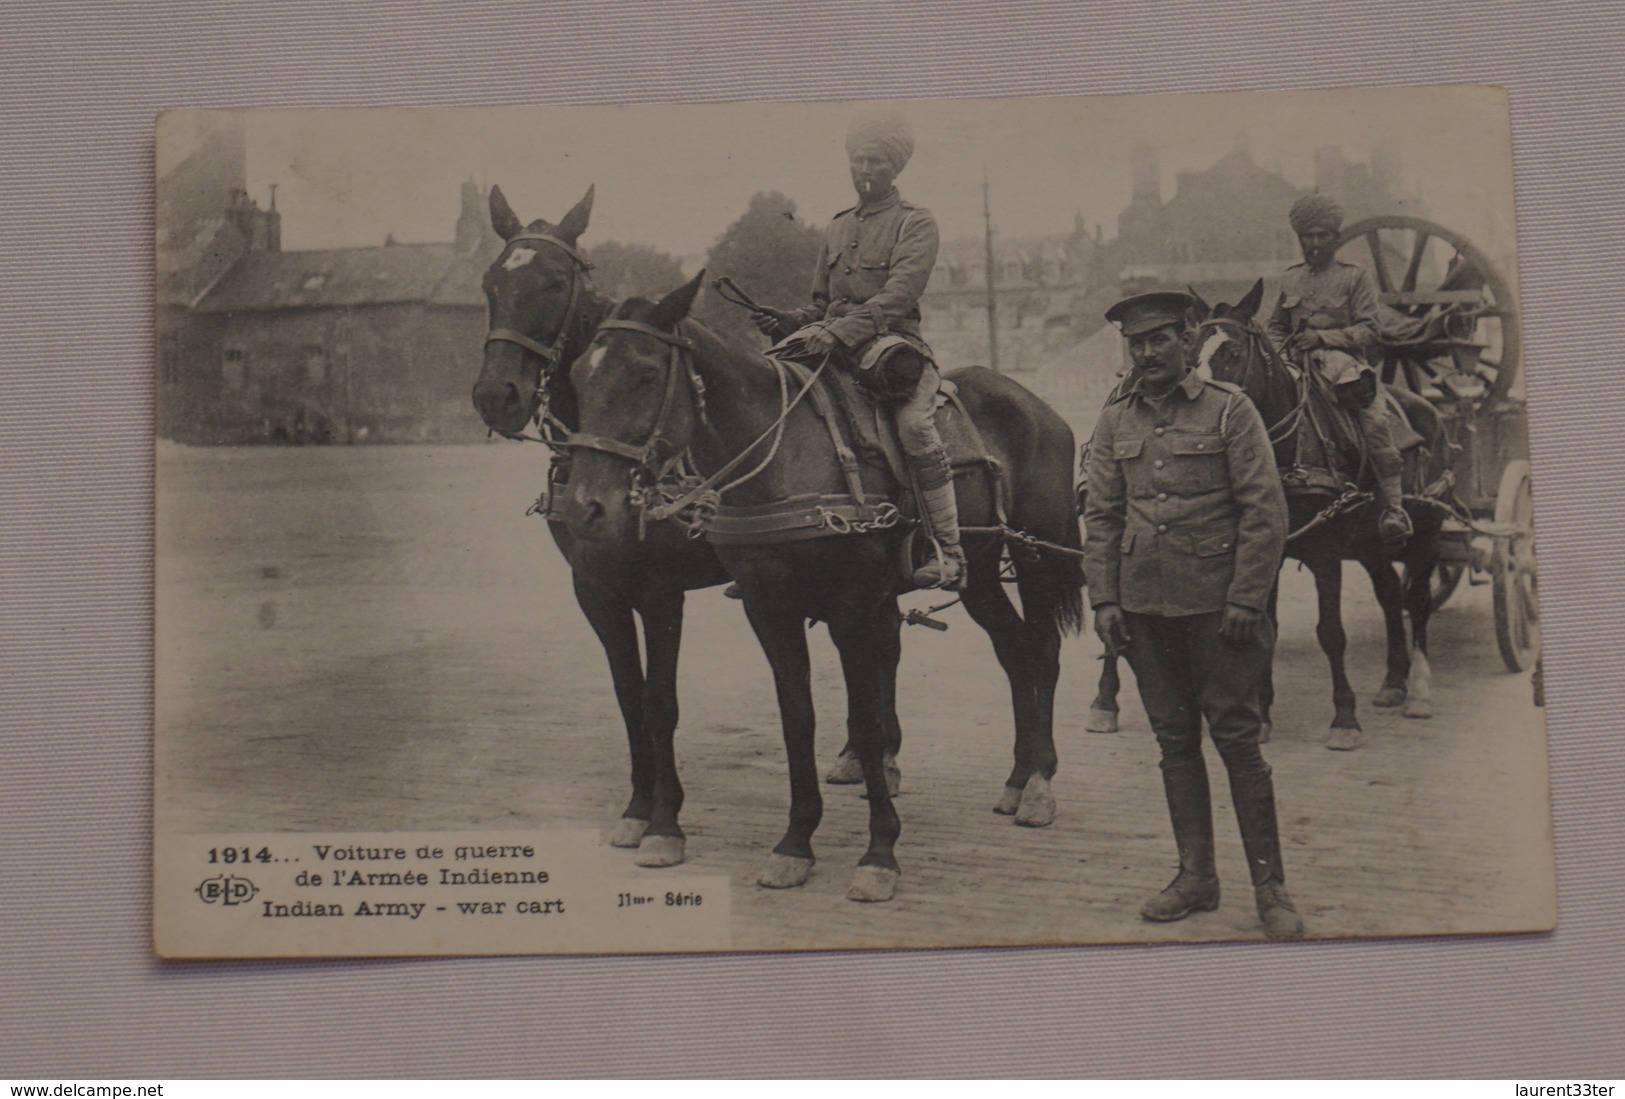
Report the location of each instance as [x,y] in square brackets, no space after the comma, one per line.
[1330,444]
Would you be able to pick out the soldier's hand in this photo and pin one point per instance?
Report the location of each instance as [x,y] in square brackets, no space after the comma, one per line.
[1306,341]
[1241,625]
[771,323]
[821,342]
[1112,628]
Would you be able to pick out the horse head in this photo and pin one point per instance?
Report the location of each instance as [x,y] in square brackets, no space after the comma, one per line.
[1228,342]
[536,292]
[637,413]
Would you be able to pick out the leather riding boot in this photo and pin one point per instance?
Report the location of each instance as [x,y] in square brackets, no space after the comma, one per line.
[1254,795]
[934,482]
[1393,525]
[1196,887]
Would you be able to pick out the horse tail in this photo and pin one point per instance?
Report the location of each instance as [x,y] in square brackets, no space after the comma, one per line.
[1052,586]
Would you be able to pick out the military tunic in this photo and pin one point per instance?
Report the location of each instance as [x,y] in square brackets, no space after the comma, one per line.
[873,265]
[1338,302]
[1185,510]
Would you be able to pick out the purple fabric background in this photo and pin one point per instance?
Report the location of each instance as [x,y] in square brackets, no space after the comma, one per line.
[81,995]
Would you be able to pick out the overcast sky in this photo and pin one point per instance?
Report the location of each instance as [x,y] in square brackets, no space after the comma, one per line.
[673,176]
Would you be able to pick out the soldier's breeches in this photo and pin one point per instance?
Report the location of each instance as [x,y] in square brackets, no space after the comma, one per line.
[916,417]
[1379,443]
[1186,672]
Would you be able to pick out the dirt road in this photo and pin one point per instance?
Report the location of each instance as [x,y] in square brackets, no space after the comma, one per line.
[377,638]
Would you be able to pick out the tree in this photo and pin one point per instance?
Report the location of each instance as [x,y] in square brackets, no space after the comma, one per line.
[633,270]
[770,255]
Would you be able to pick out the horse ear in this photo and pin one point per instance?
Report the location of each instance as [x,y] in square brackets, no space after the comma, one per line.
[1202,310]
[1247,307]
[503,219]
[675,305]
[575,222]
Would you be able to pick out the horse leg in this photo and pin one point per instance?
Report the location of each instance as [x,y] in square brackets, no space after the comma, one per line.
[1035,761]
[1419,603]
[1266,687]
[1103,710]
[1346,734]
[1390,596]
[847,771]
[663,841]
[870,650]
[783,636]
[611,619]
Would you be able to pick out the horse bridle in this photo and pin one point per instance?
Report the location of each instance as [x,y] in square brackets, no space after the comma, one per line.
[550,354]
[647,465]
[1281,430]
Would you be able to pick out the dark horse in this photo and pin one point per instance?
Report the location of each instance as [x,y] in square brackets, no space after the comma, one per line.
[1329,525]
[543,312]
[655,385]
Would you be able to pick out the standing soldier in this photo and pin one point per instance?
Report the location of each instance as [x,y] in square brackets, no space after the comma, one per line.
[873,265]
[1185,526]
[1327,319]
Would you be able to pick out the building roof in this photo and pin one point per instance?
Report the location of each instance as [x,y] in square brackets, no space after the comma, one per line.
[265,281]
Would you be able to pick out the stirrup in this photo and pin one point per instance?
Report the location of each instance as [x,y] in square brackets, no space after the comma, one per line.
[946,569]
[1394,526]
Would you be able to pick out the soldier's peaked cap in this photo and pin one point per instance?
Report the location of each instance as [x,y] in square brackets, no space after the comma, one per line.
[1145,312]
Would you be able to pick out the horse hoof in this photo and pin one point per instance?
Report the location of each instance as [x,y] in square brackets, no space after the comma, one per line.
[1037,804]
[628,832]
[1265,730]
[1101,721]
[1389,696]
[1420,708]
[1344,739]
[846,772]
[660,851]
[1009,802]
[784,872]
[873,883]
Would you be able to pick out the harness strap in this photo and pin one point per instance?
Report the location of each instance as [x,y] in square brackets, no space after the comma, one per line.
[507,335]
[844,454]
[674,339]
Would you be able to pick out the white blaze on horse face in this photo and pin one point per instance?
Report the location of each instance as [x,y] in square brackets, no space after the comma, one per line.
[1204,358]
[595,359]
[518,258]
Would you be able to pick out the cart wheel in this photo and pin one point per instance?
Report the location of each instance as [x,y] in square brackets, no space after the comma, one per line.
[1446,577]
[1517,594]
[1420,268]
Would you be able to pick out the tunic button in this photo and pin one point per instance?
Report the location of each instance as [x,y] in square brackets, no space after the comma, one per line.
[854,244]
[1162,496]
[1159,463]
[1160,431]
[1201,446]
[849,270]
[1162,529]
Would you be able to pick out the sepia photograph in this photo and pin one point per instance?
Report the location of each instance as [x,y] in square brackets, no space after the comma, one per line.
[844,525]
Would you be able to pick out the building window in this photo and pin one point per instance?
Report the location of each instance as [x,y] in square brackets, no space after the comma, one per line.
[232,367]
[315,364]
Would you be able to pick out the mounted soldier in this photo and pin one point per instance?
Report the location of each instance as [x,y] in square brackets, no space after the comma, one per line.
[1326,319]
[873,265]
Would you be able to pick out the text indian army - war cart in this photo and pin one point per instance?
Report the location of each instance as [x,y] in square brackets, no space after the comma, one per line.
[1450,333]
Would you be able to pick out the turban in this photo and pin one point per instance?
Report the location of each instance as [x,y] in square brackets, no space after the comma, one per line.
[1316,212]
[890,132]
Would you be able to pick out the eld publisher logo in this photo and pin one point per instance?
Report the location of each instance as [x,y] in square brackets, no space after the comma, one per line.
[227,890]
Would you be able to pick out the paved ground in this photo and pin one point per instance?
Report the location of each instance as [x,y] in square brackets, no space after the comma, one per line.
[378,638]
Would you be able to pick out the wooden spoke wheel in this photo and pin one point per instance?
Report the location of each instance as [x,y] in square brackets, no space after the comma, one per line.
[1516,590]
[1469,342]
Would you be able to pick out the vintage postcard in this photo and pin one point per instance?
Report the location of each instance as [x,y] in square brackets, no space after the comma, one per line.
[844,525]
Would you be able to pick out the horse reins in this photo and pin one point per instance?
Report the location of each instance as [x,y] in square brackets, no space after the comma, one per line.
[550,354]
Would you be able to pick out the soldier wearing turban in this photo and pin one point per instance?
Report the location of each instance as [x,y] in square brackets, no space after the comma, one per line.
[1326,319]
[873,265]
